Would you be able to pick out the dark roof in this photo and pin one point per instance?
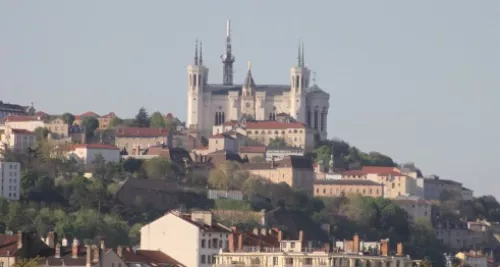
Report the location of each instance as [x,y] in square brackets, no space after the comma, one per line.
[14,108]
[346,182]
[297,162]
[218,158]
[270,89]
[214,227]
[150,257]
[249,82]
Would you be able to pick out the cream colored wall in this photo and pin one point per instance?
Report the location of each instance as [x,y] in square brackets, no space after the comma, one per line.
[130,143]
[335,190]
[298,179]
[58,127]
[303,137]
[24,125]
[417,211]
[7,261]
[158,235]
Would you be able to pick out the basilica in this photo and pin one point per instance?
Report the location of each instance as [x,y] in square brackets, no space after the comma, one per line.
[214,104]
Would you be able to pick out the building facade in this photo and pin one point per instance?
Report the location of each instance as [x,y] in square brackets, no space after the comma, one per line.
[10,180]
[192,239]
[339,188]
[214,104]
[86,153]
[417,209]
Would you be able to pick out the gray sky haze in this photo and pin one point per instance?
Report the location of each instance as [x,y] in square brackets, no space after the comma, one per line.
[416,80]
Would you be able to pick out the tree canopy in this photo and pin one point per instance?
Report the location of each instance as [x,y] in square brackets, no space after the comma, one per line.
[142,118]
[90,124]
[157,120]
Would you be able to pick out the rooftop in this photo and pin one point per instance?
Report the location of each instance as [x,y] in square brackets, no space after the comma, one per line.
[93,146]
[346,182]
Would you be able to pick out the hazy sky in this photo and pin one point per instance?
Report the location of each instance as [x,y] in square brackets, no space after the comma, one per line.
[417,80]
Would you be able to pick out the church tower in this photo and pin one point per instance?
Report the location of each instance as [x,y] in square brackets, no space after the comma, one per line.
[227,58]
[197,79]
[299,82]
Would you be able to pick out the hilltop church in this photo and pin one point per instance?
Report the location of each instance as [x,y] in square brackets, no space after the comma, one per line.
[214,104]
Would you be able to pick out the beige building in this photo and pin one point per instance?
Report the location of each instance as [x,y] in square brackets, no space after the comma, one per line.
[220,142]
[192,239]
[295,134]
[58,128]
[87,153]
[417,209]
[337,188]
[105,119]
[395,183]
[134,139]
[296,171]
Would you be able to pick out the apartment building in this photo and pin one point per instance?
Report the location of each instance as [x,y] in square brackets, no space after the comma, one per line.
[10,180]
[192,239]
[296,171]
[86,153]
[434,187]
[219,142]
[28,123]
[7,109]
[453,234]
[132,139]
[338,188]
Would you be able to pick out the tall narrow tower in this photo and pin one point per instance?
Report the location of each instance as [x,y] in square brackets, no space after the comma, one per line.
[197,79]
[299,81]
[227,58]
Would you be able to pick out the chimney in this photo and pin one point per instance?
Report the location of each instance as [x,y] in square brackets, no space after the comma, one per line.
[355,243]
[58,251]
[240,242]
[138,152]
[384,247]
[301,236]
[50,239]
[87,256]
[95,253]
[64,242]
[19,239]
[256,231]
[399,249]
[280,235]
[103,247]
[119,251]
[234,229]
[263,231]
[74,248]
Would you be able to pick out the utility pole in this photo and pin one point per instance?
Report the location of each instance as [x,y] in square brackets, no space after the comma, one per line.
[99,232]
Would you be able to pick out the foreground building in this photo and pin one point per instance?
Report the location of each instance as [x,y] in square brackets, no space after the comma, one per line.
[192,239]
[214,104]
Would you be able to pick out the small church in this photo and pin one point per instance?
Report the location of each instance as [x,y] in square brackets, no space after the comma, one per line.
[213,104]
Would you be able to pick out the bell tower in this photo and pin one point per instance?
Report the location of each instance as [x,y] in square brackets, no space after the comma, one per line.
[197,79]
[299,82]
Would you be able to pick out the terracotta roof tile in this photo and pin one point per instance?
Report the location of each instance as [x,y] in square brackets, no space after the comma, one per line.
[89,114]
[22,131]
[93,146]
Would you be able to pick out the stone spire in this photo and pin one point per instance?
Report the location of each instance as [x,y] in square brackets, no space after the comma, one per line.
[201,53]
[196,53]
[228,58]
[249,81]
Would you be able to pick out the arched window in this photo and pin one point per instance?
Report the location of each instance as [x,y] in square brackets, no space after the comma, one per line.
[297,83]
[316,118]
[308,117]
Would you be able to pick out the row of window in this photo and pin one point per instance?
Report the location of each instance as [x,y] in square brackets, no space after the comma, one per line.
[214,243]
[275,132]
[207,259]
[370,191]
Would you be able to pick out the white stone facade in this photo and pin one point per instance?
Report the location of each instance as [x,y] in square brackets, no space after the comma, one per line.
[10,180]
[214,104]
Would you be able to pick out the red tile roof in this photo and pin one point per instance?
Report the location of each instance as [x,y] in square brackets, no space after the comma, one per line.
[253,149]
[150,258]
[93,146]
[20,118]
[8,245]
[41,114]
[141,132]
[22,131]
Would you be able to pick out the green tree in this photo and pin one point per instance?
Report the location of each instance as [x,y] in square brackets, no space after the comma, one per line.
[142,119]
[277,142]
[41,133]
[90,124]
[171,125]
[115,122]
[161,168]
[157,120]
[68,118]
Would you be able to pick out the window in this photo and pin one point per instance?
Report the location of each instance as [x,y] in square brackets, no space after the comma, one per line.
[202,259]
[275,260]
[209,259]
[324,191]
[203,243]
[292,244]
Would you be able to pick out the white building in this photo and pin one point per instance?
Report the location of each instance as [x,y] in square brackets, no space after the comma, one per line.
[214,104]
[192,239]
[10,180]
[18,139]
[473,258]
[86,153]
[28,123]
